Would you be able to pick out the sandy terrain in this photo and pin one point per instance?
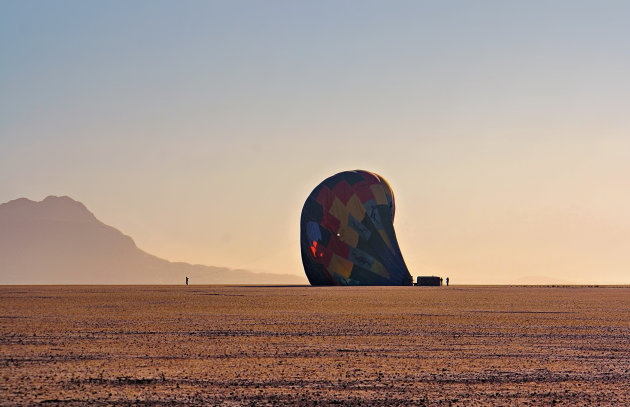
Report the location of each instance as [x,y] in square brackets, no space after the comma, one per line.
[150,345]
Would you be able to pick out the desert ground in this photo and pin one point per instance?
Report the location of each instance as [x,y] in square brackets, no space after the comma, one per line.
[245,345]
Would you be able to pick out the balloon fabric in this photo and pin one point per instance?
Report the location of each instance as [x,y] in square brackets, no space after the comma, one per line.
[347,233]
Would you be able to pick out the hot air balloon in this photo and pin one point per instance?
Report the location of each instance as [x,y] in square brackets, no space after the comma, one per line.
[347,233]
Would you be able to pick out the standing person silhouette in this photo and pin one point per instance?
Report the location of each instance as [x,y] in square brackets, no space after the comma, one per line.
[446,281]
[186,280]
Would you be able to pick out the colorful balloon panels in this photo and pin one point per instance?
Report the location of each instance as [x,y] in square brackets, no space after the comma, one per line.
[347,233]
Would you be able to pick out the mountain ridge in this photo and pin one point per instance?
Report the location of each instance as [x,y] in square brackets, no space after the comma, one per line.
[59,241]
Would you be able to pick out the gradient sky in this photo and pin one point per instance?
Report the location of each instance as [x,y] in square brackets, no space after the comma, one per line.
[199,128]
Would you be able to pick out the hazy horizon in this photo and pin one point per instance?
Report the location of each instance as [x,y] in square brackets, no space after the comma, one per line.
[200,128]
[59,241]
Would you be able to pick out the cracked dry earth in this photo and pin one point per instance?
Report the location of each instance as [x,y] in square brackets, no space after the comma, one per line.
[220,345]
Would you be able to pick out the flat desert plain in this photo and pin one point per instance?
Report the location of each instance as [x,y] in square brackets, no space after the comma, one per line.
[240,345]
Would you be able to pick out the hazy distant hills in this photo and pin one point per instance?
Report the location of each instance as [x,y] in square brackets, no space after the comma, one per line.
[59,241]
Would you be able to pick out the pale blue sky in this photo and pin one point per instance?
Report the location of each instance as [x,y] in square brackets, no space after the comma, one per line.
[199,128]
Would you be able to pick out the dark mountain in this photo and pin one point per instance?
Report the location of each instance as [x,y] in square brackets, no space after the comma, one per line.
[58,241]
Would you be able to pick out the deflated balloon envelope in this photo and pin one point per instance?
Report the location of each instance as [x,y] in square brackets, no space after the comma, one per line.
[347,233]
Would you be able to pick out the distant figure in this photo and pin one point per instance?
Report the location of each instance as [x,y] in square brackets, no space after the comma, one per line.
[440,281]
[446,281]
[187,280]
